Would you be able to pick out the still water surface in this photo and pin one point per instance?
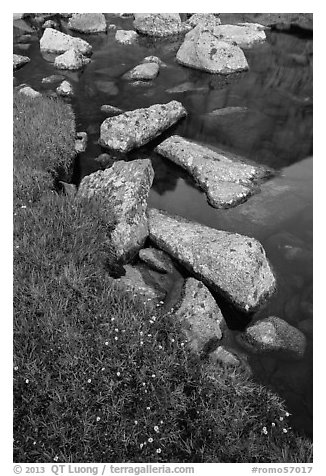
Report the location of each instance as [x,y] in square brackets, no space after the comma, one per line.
[274,127]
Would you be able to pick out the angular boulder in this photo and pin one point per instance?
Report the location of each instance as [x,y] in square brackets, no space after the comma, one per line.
[53,41]
[145,71]
[19,61]
[226,180]
[160,24]
[231,264]
[71,60]
[135,128]
[123,188]
[202,50]
[87,22]
[273,334]
[126,37]
[157,260]
[199,316]
[243,35]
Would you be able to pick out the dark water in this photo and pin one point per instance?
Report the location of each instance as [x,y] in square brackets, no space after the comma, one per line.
[275,129]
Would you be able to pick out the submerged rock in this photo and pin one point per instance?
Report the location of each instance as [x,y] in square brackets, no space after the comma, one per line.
[80,142]
[225,179]
[123,189]
[126,37]
[53,78]
[135,128]
[243,35]
[199,316]
[160,24]
[55,41]
[202,50]
[187,86]
[157,260]
[107,87]
[19,61]
[145,71]
[231,264]
[71,59]
[65,89]
[225,111]
[30,92]
[273,334]
[88,22]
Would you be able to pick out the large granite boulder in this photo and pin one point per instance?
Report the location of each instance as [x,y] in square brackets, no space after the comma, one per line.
[144,71]
[157,260]
[19,61]
[273,334]
[202,50]
[135,128]
[126,37]
[71,59]
[160,24]
[199,316]
[88,22]
[226,180]
[231,264]
[55,41]
[123,189]
[207,20]
[243,35]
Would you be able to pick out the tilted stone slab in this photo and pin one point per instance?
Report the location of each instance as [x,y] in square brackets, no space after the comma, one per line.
[202,50]
[231,264]
[199,316]
[160,24]
[243,35]
[88,22]
[56,42]
[135,128]
[226,181]
[123,189]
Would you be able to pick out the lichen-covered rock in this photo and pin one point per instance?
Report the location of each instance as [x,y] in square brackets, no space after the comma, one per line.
[80,142]
[30,92]
[71,59]
[88,22]
[55,41]
[231,264]
[19,61]
[123,188]
[207,20]
[145,71]
[204,51]
[243,35]
[126,37]
[224,357]
[157,260]
[273,334]
[226,180]
[199,316]
[65,89]
[160,24]
[135,128]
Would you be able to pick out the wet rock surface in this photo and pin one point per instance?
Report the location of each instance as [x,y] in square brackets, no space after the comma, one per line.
[273,334]
[135,128]
[204,51]
[226,180]
[123,189]
[231,264]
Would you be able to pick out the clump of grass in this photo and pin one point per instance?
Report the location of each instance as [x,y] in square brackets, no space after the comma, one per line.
[99,378]
[44,139]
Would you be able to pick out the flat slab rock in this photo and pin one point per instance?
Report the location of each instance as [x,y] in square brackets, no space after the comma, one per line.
[144,71]
[123,190]
[225,180]
[88,22]
[19,61]
[157,260]
[71,60]
[56,42]
[199,316]
[135,128]
[204,51]
[243,35]
[231,264]
[273,334]
[160,24]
